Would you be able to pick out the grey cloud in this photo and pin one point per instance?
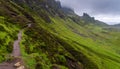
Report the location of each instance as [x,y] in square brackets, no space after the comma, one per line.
[94,7]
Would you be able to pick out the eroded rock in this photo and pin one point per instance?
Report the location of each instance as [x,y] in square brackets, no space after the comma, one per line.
[21,67]
[17,64]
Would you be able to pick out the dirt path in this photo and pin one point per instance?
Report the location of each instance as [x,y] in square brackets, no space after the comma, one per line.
[11,64]
[16,55]
[17,62]
[16,45]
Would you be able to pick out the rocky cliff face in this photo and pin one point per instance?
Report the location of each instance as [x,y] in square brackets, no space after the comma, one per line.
[54,8]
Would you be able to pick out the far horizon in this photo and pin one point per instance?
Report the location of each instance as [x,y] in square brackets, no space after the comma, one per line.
[103,10]
[106,19]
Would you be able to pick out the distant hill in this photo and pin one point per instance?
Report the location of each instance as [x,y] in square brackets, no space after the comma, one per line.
[91,20]
[116,25]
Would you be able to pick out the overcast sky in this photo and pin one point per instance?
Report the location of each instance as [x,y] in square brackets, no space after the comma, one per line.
[105,10]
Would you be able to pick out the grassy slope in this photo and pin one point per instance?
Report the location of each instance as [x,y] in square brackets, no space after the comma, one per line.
[96,49]
[52,44]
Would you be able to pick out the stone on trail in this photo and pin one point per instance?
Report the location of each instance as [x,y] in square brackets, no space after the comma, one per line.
[21,67]
[17,64]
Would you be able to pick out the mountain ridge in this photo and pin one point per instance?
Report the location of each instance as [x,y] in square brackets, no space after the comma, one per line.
[57,40]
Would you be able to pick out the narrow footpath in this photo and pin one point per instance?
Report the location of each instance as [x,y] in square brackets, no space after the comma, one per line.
[16,45]
[16,62]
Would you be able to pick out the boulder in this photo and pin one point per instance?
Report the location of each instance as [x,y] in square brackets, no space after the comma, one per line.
[21,67]
[17,64]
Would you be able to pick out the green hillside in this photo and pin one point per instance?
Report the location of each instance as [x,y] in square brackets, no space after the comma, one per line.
[57,40]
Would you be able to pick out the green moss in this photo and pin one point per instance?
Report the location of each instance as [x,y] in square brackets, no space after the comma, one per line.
[60,58]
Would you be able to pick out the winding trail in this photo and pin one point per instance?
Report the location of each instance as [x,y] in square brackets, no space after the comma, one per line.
[16,45]
[16,54]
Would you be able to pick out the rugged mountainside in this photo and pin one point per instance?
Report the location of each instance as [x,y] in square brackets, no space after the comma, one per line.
[91,20]
[116,26]
[57,38]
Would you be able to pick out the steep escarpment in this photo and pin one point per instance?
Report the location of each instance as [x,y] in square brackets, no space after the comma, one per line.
[57,38]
